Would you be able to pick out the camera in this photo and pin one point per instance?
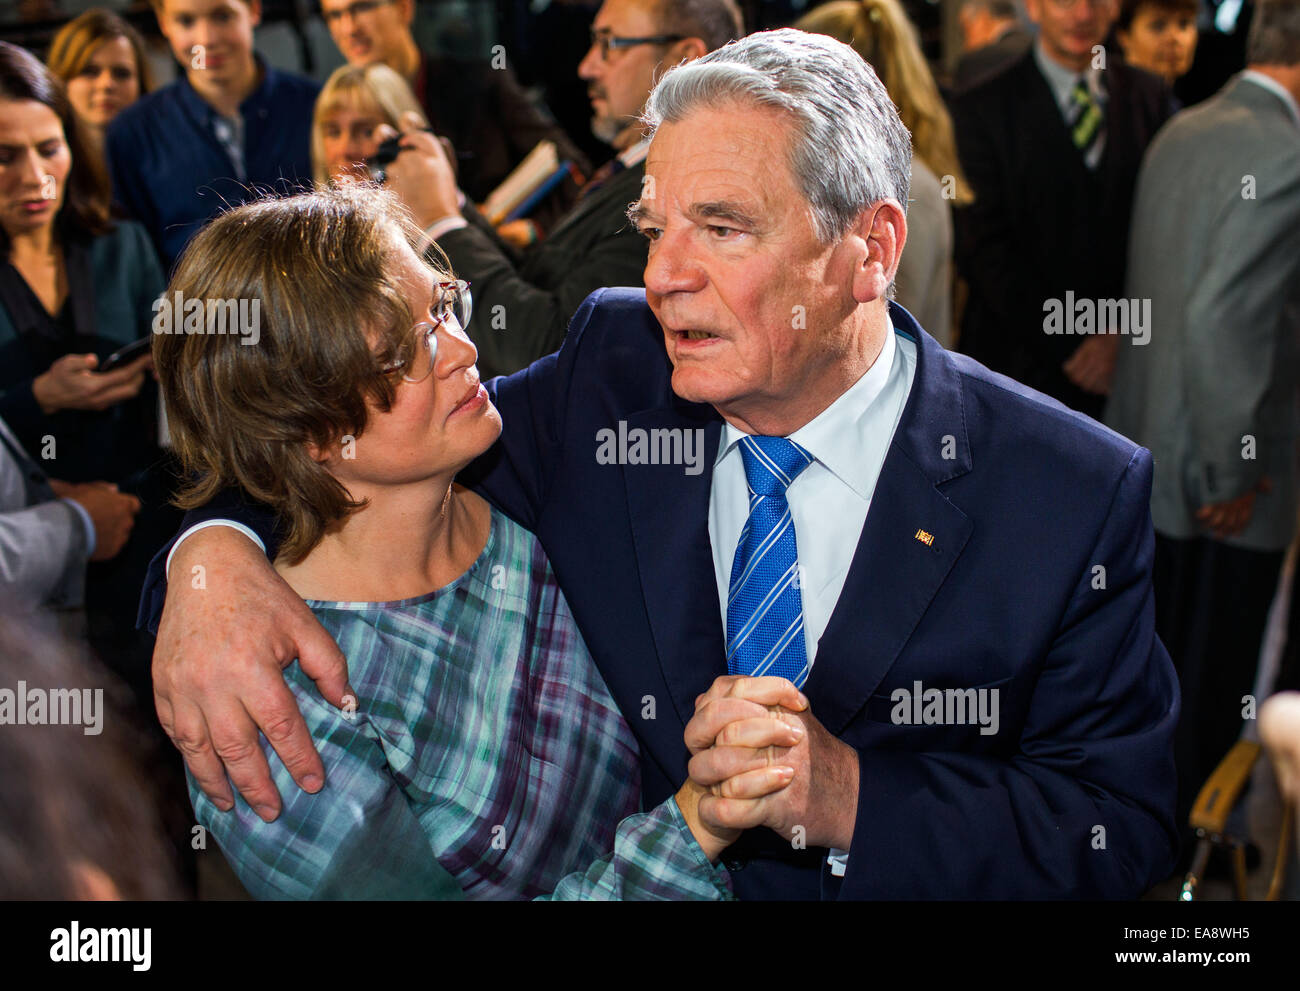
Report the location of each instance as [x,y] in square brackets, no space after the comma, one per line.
[377,164]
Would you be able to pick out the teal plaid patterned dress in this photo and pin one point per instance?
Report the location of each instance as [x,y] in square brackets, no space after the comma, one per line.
[485,759]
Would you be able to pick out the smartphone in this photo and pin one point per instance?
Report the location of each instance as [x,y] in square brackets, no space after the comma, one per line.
[126,355]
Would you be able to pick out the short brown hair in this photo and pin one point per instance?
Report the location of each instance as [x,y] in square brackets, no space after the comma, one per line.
[715,22]
[1128,10]
[331,312]
[77,40]
[1274,33]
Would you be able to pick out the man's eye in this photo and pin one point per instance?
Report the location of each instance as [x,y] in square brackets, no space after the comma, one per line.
[652,233]
[185,21]
[50,148]
[722,233]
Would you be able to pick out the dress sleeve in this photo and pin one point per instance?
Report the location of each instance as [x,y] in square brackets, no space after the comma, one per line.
[655,858]
[357,838]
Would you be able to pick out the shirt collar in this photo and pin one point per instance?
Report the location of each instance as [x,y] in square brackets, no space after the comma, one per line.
[1277,89]
[1061,80]
[832,436]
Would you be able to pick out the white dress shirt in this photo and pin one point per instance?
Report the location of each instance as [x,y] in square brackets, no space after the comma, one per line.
[830,498]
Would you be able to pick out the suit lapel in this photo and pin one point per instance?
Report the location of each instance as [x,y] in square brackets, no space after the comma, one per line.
[669,512]
[895,574]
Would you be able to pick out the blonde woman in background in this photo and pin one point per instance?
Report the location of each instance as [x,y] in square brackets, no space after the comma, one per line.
[102,63]
[352,107]
[358,107]
[880,32]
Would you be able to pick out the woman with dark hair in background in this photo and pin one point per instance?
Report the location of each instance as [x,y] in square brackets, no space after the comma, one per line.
[101,60]
[75,286]
[880,32]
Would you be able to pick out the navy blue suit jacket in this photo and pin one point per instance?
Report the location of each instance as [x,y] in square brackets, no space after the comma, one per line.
[1025,500]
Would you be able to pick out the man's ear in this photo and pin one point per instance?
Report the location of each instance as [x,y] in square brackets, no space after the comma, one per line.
[254,12]
[406,11]
[883,227]
[688,48]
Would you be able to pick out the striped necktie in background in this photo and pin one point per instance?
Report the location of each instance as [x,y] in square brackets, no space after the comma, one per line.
[1085,117]
[765,605]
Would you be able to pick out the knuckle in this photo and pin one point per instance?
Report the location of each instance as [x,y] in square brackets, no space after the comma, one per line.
[234,752]
[280,728]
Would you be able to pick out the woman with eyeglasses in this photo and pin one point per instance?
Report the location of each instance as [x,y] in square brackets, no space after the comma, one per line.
[478,753]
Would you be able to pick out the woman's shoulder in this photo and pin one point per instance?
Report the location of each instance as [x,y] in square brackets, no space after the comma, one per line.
[125,246]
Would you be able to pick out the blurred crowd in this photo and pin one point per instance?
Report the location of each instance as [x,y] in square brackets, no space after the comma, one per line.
[1105,207]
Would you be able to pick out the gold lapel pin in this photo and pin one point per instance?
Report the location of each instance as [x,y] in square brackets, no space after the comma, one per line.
[925,537]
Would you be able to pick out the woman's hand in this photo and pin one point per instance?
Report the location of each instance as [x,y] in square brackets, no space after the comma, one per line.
[72,383]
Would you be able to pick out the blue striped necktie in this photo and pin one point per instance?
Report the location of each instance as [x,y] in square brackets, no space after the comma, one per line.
[765,606]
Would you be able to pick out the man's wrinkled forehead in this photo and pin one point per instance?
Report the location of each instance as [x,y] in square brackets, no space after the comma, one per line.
[738,165]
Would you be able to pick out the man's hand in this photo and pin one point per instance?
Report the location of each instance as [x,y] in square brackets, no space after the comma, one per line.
[739,798]
[1279,729]
[72,383]
[1092,366]
[736,729]
[1227,519]
[222,644]
[422,175]
[112,512]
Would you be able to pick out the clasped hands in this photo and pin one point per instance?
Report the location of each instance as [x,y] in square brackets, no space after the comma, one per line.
[759,757]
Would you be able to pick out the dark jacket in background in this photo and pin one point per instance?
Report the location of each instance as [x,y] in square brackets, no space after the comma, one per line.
[111,294]
[1042,223]
[981,64]
[523,303]
[489,120]
[171,173]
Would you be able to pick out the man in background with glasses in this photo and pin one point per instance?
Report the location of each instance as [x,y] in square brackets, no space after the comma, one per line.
[525,301]
[1052,147]
[476,105]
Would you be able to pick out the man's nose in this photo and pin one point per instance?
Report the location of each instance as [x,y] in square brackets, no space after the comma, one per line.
[202,34]
[592,64]
[671,266]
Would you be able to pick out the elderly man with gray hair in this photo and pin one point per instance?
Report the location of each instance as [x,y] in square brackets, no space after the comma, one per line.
[953,569]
